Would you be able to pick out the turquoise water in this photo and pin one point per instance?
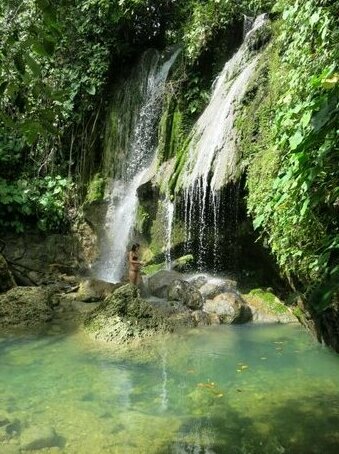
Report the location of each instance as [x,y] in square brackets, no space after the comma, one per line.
[227,389]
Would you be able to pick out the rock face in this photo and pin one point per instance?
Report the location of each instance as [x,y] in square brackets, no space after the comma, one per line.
[159,282]
[25,307]
[6,279]
[124,317]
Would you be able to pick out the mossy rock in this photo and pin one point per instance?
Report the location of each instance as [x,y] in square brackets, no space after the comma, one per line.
[266,307]
[268,300]
[26,307]
[124,317]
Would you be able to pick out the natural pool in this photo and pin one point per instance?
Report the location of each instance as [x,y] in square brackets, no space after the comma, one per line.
[227,389]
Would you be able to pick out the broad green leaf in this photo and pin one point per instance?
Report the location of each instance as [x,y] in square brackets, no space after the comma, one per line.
[296,140]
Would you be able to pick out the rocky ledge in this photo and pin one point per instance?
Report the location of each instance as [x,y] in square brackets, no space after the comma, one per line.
[172,301]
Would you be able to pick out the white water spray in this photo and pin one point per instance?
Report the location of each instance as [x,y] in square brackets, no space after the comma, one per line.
[212,154]
[122,193]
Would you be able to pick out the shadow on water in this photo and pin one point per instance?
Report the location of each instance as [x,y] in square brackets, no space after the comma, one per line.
[305,426]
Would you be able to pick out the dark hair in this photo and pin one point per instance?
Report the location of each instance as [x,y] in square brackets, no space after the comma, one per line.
[135,247]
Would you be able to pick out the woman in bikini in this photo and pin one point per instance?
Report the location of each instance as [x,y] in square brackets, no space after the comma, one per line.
[134,264]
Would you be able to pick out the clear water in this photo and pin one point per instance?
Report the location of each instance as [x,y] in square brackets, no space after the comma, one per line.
[238,389]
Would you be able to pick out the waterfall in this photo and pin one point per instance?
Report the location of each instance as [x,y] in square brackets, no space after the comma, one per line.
[212,152]
[169,216]
[130,149]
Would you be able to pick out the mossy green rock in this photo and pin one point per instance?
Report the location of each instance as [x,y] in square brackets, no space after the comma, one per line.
[25,307]
[124,317]
[266,307]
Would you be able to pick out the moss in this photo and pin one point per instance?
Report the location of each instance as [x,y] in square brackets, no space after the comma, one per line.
[171,129]
[96,189]
[150,269]
[268,300]
[141,219]
[298,313]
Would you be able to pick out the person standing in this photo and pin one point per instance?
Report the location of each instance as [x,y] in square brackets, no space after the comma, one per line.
[134,264]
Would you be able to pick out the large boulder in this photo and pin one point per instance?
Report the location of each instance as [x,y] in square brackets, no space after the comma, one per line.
[159,282]
[214,287]
[229,307]
[124,317]
[267,307]
[180,290]
[198,281]
[6,278]
[26,307]
[91,290]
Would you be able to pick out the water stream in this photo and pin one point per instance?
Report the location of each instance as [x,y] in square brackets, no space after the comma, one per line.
[212,155]
[226,389]
[136,162]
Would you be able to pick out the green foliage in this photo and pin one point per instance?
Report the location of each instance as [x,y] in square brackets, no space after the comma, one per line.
[43,200]
[96,189]
[292,149]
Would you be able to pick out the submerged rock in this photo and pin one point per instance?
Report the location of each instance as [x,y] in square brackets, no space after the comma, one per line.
[25,307]
[36,438]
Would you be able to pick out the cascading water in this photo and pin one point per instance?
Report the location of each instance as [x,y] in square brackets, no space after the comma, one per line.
[169,215]
[136,142]
[212,153]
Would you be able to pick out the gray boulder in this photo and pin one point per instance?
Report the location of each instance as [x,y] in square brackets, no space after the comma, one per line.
[198,281]
[213,288]
[183,291]
[159,282]
[25,307]
[229,308]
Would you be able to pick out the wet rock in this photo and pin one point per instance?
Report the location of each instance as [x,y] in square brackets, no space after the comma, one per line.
[201,318]
[159,282]
[37,437]
[213,288]
[182,263]
[229,308]
[25,307]
[198,281]
[6,278]
[180,290]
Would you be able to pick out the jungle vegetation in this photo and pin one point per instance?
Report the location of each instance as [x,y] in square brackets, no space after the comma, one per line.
[59,58]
